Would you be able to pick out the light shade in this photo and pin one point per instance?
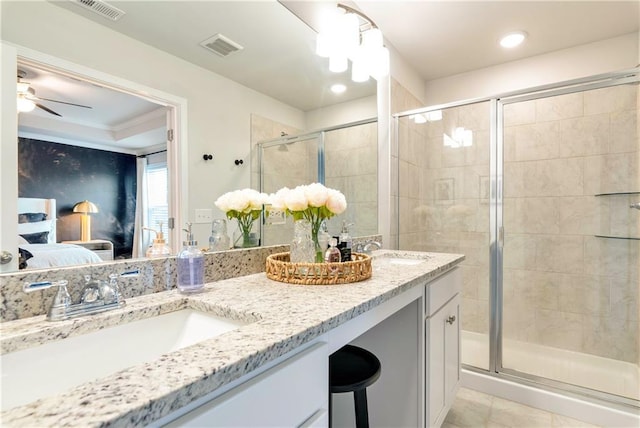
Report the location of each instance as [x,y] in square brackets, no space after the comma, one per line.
[341,38]
[85,208]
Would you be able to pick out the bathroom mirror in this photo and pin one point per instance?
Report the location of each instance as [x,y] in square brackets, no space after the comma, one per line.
[274,75]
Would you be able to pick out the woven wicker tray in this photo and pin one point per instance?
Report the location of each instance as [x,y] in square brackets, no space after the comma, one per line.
[279,268]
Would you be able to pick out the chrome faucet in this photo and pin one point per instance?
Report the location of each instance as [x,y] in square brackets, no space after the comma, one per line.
[367,247]
[97,296]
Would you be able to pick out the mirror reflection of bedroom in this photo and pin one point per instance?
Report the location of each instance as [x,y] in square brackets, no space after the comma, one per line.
[92,171]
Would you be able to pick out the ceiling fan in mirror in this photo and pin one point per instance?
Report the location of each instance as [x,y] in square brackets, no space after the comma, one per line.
[27,99]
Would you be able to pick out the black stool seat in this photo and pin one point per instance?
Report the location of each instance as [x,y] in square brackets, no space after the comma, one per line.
[353,369]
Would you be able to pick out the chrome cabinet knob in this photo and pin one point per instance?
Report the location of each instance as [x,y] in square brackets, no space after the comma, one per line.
[636,205]
[5,257]
[451,319]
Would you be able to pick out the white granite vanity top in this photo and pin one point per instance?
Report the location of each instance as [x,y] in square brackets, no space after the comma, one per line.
[281,317]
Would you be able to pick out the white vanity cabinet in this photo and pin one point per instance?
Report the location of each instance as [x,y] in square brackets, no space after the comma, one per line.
[293,393]
[442,345]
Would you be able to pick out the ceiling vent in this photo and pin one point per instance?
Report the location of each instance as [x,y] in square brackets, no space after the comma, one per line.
[221,45]
[101,8]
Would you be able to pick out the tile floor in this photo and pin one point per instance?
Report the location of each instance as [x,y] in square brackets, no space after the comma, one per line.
[473,409]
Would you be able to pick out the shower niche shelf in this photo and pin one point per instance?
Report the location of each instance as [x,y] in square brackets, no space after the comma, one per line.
[617,237]
[617,194]
[628,238]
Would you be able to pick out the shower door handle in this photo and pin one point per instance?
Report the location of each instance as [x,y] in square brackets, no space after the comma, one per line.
[636,205]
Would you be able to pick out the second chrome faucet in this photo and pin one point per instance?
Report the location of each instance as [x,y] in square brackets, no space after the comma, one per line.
[97,296]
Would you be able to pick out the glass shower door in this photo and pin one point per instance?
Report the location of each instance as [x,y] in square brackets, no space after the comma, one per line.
[288,162]
[444,199]
[571,250]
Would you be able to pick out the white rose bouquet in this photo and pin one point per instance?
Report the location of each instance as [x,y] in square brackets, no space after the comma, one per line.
[313,202]
[245,206]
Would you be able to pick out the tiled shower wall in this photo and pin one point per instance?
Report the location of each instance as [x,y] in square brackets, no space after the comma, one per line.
[563,286]
[351,165]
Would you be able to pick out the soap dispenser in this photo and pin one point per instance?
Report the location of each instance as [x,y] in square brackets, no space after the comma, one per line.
[346,243]
[190,265]
[159,247]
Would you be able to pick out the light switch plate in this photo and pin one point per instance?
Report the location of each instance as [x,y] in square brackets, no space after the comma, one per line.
[204,215]
[275,217]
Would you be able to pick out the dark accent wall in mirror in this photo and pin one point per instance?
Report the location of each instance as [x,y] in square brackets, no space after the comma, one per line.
[72,174]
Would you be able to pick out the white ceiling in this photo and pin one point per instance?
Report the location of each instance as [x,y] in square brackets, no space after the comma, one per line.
[443,38]
[438,38]
[115,119]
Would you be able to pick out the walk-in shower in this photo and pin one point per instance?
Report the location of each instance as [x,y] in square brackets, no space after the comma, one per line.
[536,189]
[343,157]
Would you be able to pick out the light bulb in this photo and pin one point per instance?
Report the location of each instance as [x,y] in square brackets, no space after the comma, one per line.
[338,64]
[23,87]
[359,68]
[349,38]
[372,39]
[323,45]
[25,105]
[380,63]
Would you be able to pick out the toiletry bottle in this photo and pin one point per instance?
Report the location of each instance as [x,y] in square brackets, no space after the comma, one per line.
[345,243]
[219,240]
[332,255]
[159,247]
[323,237]
[190,265]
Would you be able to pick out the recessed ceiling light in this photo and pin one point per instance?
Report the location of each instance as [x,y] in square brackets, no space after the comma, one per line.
[513,39]
[338,88]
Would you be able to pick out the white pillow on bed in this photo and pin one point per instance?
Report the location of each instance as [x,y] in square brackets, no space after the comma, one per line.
[35,227]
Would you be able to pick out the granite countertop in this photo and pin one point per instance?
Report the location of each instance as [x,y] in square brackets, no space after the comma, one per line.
[280,318]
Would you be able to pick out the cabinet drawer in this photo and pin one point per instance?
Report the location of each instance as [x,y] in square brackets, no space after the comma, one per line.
[290,394]
[441,290]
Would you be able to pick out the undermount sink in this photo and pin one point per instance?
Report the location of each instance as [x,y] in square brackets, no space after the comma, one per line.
[55,367]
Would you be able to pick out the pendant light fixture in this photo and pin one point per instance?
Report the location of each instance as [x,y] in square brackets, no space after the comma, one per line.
[348,34]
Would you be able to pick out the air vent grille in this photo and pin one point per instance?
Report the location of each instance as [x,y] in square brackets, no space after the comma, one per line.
[101,8]
[221,45]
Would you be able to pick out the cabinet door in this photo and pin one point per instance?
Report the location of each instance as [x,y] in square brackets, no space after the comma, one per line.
[452,351]
[291,394]
[443,360]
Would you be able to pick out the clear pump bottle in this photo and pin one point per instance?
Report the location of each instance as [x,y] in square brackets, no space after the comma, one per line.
[190,265]
[159,247]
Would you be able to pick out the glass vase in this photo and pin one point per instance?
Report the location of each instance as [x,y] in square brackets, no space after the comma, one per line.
[302,249]
[320,238]
[245,237]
